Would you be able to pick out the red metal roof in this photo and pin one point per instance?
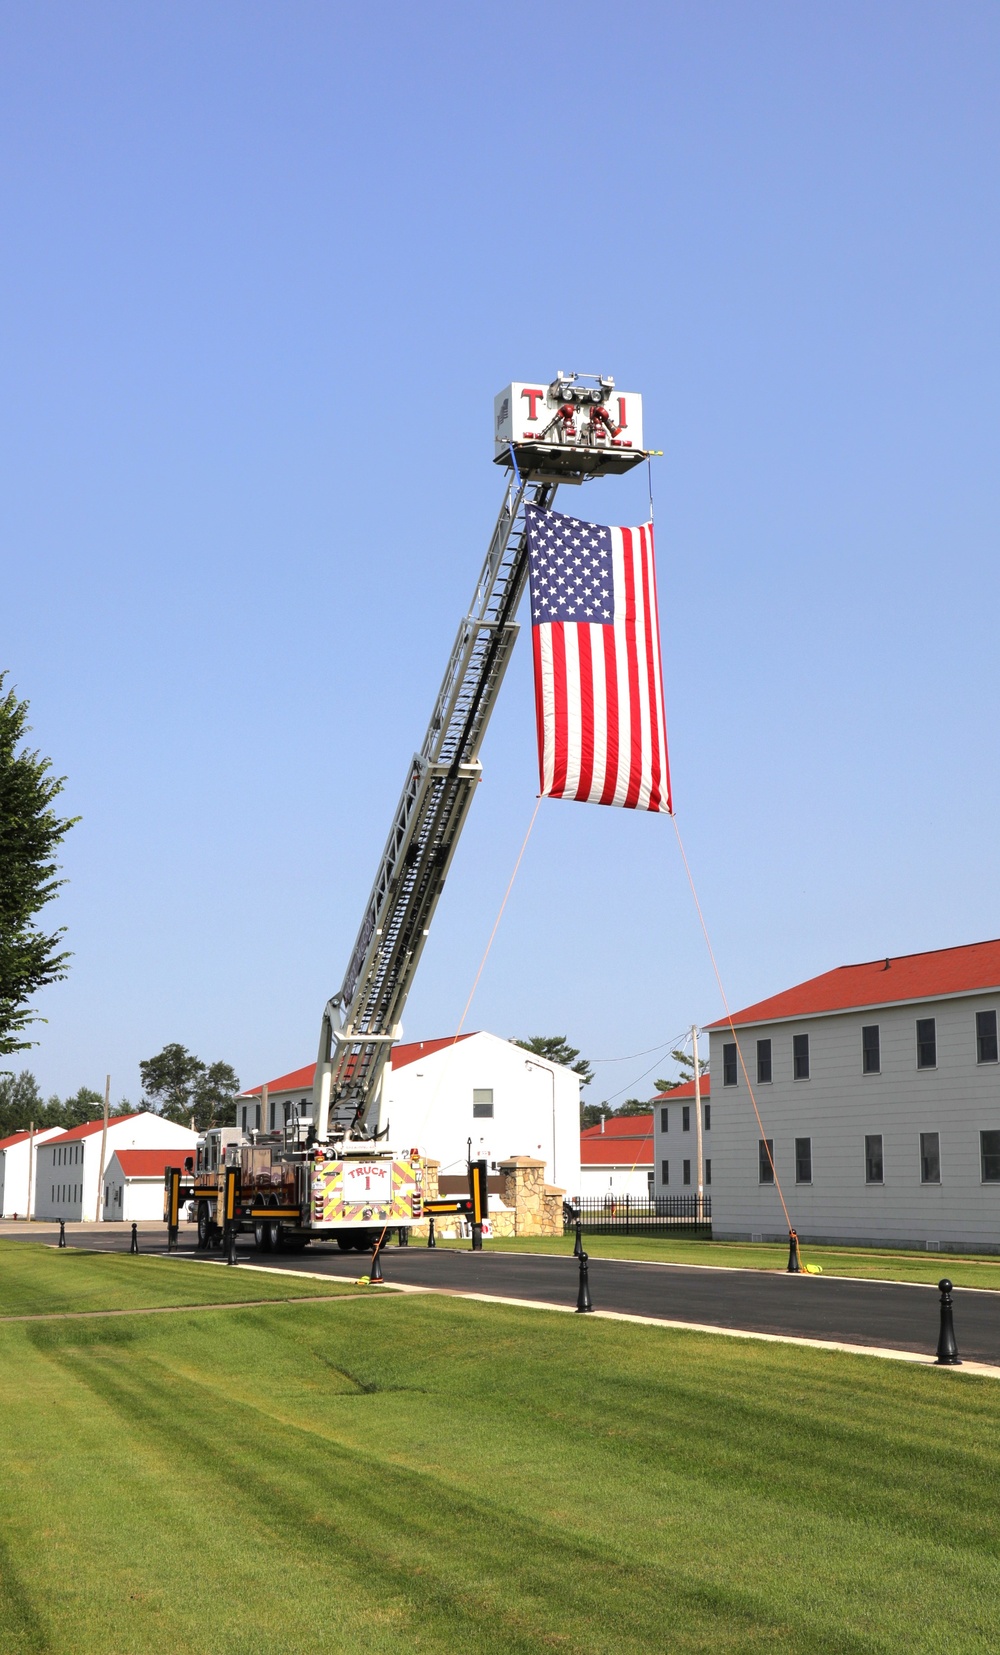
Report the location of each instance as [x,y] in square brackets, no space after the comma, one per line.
[680,1094]
[300,1080]
[402,1055]
[89,1127]
[971,969]
[627,1140]
[15,1138]
[149,1163]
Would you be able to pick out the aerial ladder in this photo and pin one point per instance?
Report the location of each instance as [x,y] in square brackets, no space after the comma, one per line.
[335,1175]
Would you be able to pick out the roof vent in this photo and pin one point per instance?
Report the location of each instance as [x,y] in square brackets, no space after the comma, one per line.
[887,963]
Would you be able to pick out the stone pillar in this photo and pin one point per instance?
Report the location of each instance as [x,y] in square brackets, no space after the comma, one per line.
[537,1206]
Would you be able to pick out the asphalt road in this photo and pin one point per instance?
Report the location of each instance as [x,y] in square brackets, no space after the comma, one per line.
[887,1314]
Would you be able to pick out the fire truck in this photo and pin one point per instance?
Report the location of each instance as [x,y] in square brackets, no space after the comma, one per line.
[335,1176]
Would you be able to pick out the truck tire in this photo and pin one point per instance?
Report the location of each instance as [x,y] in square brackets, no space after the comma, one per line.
[345,1243]
[262,1235]
[204,1227]
[277,1234]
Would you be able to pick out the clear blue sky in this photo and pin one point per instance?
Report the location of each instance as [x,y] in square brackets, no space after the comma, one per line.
[227,225]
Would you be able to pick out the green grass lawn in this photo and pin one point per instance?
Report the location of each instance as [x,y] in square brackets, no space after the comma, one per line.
[35,1279]
[427,1474]
[876,1263]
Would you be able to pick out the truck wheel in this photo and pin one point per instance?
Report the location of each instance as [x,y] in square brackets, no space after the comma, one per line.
[277,1235]
[204,1227]
[262,1235]
[345,1243]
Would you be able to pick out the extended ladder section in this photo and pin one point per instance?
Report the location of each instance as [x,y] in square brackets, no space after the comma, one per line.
[361,1022]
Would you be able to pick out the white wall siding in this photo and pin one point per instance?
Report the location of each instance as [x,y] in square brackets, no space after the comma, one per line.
[429,1103]
[66,1183]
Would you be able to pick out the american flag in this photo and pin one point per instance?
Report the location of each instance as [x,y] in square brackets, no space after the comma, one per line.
[598,681]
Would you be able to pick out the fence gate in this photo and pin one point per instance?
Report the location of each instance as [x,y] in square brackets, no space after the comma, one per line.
[639,1216]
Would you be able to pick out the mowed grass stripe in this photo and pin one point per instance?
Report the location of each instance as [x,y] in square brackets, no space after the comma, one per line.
[40,1279]
[430,1473]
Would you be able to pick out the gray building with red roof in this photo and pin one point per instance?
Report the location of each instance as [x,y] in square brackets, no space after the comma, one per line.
[868,1101]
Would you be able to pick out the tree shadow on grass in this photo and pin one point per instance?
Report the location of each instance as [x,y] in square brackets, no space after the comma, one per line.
[21,1630]
[475,1573]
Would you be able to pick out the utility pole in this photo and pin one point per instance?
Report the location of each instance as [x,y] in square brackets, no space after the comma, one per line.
[104,1145]
[700,1208]
[31,1164]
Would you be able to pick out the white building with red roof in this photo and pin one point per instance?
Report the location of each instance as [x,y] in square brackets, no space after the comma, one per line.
[133,1183]
[67,1180]
[616,1157]
[18,1163]
[878,1091]
[439,1094]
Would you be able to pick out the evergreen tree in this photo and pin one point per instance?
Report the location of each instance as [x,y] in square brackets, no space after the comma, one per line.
[685,1062]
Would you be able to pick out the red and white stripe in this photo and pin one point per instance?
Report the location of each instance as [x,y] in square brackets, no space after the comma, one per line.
[599,693]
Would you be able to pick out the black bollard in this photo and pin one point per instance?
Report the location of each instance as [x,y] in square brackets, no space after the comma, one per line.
[430,1232]
[134,1248]
[375,1276]
[578,1243]
[583,1292]
[947,1351]
[231,1244]
[794,1265]
[62,1232]
[404,1235]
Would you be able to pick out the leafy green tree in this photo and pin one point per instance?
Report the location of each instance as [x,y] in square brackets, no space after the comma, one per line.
[184,1089]
[85,1105]
[30,833]
[591,1114]
[685,1062]
[20,1102]
[168,1082]
[214,1096]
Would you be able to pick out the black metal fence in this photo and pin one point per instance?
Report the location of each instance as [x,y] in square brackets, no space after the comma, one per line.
[639,1215]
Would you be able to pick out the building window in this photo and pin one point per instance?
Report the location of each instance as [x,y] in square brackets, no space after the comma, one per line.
[763,1062]
[873,1158]
[729,1063]
[871,1053]
[482,1103]
[664,1119]
[926,1043]
[765,1161]
[803,1161]
[687,1172]
[800,1056]
[708,1170]
[986,1037]
[989,1149]
[707,1116]
[930,1158]
[686,1118]
[664,1172]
